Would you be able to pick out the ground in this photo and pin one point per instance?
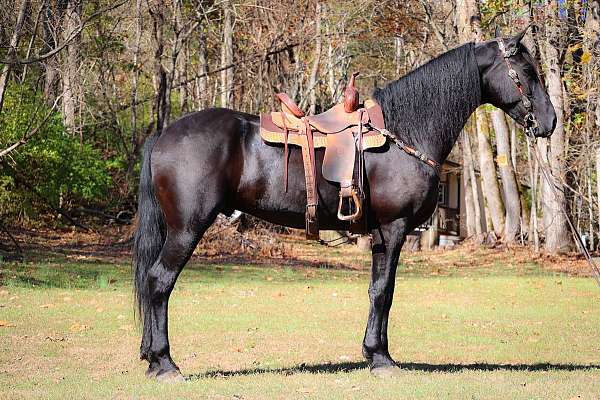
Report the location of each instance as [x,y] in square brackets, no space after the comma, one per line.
[466,324]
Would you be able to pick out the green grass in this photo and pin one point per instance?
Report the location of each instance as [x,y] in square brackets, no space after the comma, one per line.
[271,332]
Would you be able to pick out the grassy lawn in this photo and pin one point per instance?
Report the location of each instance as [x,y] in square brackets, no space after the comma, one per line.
[245,331]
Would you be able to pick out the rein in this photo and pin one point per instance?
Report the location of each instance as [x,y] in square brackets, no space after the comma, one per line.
[412,151]
[554,185]
[531,127]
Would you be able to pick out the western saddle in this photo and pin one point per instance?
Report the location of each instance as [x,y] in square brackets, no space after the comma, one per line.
[345,130]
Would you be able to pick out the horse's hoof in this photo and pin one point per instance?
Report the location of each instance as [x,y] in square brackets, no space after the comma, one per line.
[172,376]
[385,371]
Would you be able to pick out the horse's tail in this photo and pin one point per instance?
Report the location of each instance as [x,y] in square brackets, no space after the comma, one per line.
[149,234]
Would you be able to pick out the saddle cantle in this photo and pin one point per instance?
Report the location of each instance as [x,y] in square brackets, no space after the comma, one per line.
[345,131]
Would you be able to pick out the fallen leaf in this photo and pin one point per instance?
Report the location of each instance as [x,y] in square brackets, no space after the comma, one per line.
[47,305]
[6,324]
[77,327]
[55,339]
[586,57]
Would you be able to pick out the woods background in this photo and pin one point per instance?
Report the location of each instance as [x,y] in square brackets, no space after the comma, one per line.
[83,83]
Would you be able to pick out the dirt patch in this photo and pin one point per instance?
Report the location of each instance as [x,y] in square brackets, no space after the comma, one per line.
[228,243]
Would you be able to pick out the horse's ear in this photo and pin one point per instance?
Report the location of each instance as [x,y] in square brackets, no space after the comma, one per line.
[512,45]
[517,39]
[498,32]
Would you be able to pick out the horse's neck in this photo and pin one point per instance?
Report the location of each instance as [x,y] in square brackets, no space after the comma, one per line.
[445,125]
[451,132]
[429,107]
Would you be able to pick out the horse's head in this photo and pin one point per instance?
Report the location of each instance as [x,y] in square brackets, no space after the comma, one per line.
[510,81]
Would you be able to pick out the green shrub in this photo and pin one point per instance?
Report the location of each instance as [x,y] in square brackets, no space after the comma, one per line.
[53,163]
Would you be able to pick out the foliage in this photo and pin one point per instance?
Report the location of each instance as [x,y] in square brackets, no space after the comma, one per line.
[53,166]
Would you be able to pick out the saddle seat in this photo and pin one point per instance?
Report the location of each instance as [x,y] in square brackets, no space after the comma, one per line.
[345,130]
[334,120]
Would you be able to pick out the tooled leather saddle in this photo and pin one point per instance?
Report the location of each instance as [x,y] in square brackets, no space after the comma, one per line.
[345,131]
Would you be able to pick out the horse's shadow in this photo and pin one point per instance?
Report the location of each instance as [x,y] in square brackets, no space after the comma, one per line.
[333,368]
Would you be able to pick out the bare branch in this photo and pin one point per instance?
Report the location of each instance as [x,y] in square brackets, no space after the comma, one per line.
[74,34]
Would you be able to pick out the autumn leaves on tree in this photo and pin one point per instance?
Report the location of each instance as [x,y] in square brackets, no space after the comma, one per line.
[113,71]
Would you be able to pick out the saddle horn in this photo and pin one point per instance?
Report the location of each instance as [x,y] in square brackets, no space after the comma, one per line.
[351,99]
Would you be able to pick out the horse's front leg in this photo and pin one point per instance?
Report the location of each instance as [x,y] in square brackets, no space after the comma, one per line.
[387,242]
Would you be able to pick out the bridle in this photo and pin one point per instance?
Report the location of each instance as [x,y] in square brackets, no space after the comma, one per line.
[530,121]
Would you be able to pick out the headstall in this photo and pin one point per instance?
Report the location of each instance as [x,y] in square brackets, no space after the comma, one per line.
[530,121]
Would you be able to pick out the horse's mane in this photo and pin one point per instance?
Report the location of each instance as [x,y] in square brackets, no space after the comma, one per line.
[429,106]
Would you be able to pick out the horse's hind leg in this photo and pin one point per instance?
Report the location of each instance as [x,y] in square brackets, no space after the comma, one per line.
[176,252]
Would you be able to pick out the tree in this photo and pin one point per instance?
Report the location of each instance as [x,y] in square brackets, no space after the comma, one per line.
[14,42]
[512,199]
[554,201]
[227,55]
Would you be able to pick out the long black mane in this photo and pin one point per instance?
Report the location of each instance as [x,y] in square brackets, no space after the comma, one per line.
[428,107]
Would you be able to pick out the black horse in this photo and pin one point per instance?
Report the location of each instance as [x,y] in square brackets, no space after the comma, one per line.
[214,161]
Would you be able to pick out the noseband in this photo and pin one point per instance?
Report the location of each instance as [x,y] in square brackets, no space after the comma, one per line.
[530,121]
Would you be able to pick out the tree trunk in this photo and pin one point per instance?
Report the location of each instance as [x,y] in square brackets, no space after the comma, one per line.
[398,44]
[467,23]
[135,73]
[467,12]
[430,238]
[331,82]
[558,238]
[202,81]
[12,50]
[512,201]
[161,107]
[51,26]
[227,55]
[491,190]
[312,82]
[469,206]
[533,178]
[70,90]
[468,162]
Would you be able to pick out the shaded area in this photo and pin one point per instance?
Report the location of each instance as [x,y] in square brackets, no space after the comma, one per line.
[332,368]
[107,247]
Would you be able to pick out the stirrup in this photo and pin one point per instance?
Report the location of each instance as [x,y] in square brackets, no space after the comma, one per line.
[357,204]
